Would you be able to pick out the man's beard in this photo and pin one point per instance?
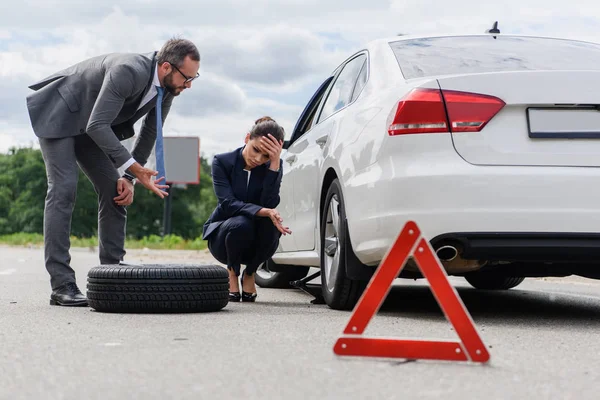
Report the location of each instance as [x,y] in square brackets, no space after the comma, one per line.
[170,87]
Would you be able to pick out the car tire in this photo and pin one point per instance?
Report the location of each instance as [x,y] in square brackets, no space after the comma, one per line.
[158,288]
[266,278]
[492,281]
[339,292]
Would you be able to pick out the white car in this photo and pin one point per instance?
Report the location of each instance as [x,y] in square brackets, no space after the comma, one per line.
[490,143]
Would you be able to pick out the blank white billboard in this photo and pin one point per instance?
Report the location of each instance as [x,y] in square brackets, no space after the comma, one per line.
[182,159]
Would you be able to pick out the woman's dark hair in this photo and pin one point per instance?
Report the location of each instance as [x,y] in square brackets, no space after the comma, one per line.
[262,119]
[265,125]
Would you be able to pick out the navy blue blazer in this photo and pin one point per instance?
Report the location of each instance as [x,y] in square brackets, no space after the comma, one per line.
[235,196]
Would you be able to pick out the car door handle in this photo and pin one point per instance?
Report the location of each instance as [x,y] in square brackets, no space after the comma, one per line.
[322,140]
[291,159]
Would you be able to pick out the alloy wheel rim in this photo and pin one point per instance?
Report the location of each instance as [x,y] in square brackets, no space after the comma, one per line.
[331,246]
[264,272]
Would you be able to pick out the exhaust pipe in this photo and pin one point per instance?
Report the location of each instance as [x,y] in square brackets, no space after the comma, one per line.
[454,263]
[447,253]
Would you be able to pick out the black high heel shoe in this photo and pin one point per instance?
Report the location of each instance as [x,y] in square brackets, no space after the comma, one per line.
[235,296]
[246,296]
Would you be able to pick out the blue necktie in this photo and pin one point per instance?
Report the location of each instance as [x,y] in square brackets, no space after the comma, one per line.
[160,158]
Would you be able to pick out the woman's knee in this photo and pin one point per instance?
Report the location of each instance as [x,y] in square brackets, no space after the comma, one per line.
[217,251]
[240,225]
[267,242]
[267,232]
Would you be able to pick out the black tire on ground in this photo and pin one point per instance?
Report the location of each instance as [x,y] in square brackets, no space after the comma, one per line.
[492,281]
[279,279]
[342,293]
[158,288]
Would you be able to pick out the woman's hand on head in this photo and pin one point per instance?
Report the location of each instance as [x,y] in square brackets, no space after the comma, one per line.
[273,148]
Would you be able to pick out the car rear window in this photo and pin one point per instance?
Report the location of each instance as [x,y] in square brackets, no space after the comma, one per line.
[478,54]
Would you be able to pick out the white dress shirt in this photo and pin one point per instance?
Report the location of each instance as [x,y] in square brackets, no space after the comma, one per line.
[249,171]
[149,96]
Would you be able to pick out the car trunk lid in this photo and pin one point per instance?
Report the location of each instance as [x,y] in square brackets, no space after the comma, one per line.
[549,118]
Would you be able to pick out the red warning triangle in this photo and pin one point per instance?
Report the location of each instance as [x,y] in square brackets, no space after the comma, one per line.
[410,243]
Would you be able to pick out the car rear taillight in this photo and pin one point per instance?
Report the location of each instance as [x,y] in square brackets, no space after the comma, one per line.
[424,111]
[470,112]
[420,111]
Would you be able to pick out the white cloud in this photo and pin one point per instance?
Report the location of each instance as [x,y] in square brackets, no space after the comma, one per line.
[211,95]
[49,14]
[547,17]
[279,56]
[276,59]
[7,142]
[16,135]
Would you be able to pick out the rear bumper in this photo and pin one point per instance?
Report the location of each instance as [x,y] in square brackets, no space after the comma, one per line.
[524,246]
[498,212]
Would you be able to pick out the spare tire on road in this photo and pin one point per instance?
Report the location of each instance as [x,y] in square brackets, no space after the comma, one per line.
[158,288]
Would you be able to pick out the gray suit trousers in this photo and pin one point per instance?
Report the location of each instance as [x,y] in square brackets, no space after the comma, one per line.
[62,157]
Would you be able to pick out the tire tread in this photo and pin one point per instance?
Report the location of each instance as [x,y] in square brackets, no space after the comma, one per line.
[158,288]
[347,291]
[487,281]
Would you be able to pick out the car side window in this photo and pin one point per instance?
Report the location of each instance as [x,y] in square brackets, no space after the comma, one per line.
[360,82]
[341,92]
[305,121]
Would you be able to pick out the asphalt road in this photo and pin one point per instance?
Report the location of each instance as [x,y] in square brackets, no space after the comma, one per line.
[543,337]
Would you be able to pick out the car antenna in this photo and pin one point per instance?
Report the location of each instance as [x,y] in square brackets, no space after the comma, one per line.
[494,29]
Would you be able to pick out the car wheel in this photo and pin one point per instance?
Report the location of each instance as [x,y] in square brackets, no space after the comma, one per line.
[279,279]
[158,288]
[338,290]
[492,281]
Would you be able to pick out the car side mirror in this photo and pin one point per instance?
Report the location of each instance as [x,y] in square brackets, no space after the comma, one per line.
[286,144]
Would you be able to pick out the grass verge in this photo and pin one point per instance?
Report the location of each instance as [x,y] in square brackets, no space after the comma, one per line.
[169,242]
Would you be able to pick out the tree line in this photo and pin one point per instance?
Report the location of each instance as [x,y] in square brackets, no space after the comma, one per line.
[23,187]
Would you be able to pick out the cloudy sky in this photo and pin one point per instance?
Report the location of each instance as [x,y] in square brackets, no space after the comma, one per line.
[259,57]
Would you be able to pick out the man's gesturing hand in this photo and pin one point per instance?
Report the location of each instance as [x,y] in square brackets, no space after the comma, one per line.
[144,176]
[276,219]
[125,191]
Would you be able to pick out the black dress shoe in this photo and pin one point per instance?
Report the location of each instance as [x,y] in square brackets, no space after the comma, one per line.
[68,295]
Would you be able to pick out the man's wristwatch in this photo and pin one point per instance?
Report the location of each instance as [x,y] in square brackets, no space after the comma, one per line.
[129,177]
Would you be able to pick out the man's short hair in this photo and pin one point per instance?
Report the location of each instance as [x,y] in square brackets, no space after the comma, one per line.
[175,50]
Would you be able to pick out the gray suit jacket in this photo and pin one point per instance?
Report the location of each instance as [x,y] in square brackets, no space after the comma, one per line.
[100,97]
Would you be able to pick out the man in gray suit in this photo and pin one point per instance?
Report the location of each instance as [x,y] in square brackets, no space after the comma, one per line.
[80,115]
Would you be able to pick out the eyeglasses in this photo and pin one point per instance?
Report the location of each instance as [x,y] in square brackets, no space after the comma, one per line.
[187,79]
